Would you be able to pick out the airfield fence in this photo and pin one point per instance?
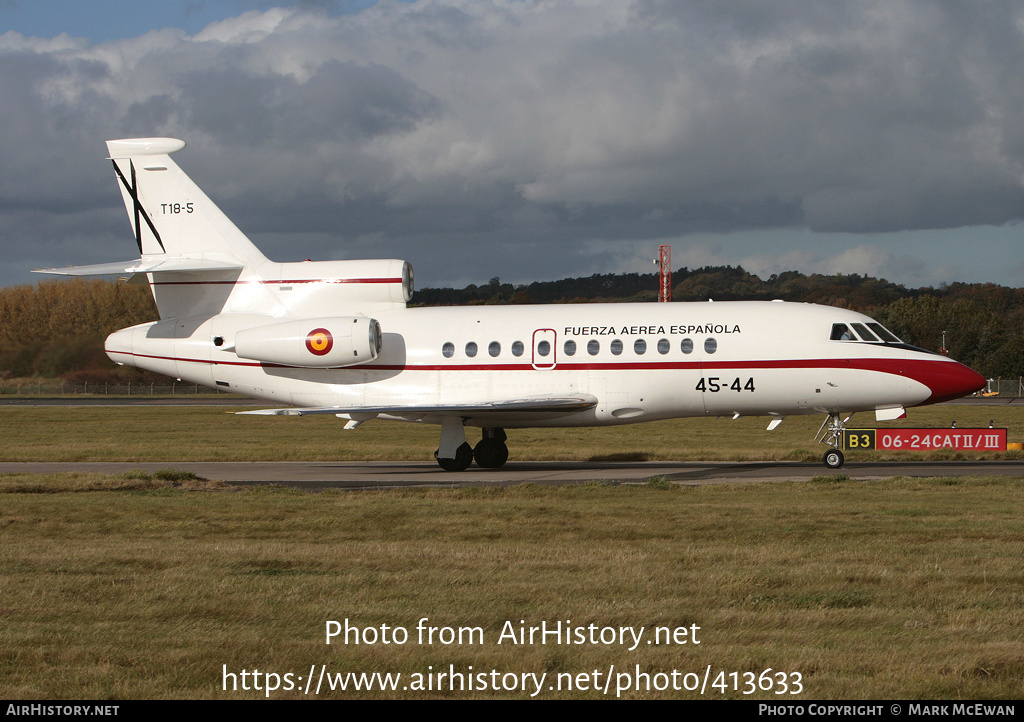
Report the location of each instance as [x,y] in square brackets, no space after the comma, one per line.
[49,387]
[1006,387]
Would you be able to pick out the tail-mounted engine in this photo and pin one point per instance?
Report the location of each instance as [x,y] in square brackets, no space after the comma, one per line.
[307,288]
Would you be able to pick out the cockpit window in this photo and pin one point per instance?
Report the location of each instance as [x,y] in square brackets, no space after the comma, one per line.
[863,332]
[883,333]
[860,332]
[841,332]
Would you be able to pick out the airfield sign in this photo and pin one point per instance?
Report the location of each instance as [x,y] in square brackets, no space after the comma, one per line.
[925,439]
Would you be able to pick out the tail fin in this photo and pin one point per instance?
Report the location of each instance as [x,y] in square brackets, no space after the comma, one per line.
[197,263]
[170,215]
[193,255]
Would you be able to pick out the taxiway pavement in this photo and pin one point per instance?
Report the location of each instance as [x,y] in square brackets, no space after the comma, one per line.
[385,474]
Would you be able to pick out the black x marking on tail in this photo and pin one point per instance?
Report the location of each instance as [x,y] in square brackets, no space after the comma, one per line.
[140,212]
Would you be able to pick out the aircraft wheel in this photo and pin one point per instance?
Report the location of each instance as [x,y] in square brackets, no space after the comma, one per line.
[833,459]
[490,454]
[463,458]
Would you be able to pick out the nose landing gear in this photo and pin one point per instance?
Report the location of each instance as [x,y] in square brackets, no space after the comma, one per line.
[831,433]
[833,459]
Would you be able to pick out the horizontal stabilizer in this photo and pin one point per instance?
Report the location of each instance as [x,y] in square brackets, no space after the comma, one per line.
[539,404]
[144,265]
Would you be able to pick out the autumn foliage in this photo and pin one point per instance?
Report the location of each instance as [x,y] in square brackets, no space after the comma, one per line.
[57,327]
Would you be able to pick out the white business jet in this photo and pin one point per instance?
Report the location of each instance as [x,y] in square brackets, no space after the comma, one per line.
[335,337]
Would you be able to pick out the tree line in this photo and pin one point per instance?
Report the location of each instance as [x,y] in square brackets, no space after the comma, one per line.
[56,328]
[983,322]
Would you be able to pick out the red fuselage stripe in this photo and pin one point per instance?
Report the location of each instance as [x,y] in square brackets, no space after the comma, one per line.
[279,283]
[890,366]
[946,379]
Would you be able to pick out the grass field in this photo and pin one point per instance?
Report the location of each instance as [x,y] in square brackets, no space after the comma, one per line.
[139,586]
[98,433]
[134,588]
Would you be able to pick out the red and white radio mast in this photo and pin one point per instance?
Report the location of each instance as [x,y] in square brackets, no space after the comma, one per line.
[664,273]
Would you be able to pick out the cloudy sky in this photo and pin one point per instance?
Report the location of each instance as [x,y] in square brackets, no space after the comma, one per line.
[533,139]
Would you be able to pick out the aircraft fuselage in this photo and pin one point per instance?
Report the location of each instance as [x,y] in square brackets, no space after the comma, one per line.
[641,361]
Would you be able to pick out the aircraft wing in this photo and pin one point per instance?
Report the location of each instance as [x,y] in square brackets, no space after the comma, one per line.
[535,404]
[143,265]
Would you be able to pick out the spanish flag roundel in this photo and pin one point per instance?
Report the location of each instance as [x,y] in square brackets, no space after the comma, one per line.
[319,341]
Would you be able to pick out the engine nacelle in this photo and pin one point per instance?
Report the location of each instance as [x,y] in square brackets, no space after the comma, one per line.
[312,343]
[306,288]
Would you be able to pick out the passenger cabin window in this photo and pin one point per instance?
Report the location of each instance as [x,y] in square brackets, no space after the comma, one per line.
[448,350]
[471,349]
[639,347]
[616,347]
[710,345]
[494,348]
[570,348]
[544,348]
[517,348]
[686,345]
[663,346]
[593,347]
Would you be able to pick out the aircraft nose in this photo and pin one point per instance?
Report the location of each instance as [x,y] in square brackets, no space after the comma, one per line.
[948,380]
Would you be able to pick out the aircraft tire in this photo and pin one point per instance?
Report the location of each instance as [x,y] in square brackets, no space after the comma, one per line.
[833,459]
[463,458]
[490,454]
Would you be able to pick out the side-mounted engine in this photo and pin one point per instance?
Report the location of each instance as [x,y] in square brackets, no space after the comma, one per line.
[196,347]
[312,343]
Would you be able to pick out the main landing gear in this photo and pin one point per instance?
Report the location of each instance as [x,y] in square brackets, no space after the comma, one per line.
[831,433]
[455,454]
[491,452]
[463,458]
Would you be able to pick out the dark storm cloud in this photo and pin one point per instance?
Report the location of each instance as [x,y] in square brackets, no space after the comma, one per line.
[40,129]
[474,125]
[338,102]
